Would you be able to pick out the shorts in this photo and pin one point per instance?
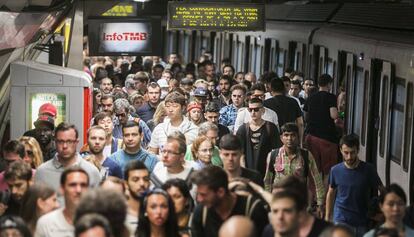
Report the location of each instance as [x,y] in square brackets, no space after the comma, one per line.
[324,152]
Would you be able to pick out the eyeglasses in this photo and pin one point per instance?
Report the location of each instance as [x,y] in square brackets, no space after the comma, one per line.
[254,109]
[237,96]
[167,152]
[69,142]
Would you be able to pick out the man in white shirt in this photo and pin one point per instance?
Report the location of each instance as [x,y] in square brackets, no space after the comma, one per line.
[243,115]
[59,223]
[175,121]
[172,157]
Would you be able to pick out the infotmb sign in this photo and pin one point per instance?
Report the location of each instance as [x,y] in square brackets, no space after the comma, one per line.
[216,16]
[123,36]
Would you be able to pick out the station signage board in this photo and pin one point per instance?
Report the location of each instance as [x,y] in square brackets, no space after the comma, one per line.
[217,16]
[124,36]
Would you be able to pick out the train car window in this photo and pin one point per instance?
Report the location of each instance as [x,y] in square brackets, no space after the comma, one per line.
[408,131]
[330,67]
[234,51]
[365,109]
[272,59]
[358,94]
[321,66]
[384,113]
[252,57]
[258,59]
[186,47]
[297,61]
[281,62]
[261,65]
[397,119]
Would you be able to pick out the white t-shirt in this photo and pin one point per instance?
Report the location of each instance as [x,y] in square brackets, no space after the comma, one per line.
[131,222]
[243,116]
[163,175]
[162,130]
[54,224]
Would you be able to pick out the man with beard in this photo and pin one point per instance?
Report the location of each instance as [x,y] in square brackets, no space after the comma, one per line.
[217,204]
[106,85]
[285,215]
[133,150]
[13,150]
[123,110]
[18,177]
[147,110]
[351,184]
[96,144]
[59,223]
[223,99]
[43,134]
[137,181]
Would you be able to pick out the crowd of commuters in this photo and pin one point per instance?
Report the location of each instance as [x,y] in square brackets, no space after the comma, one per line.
[197,150]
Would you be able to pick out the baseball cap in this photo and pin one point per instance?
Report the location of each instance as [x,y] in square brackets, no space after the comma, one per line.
[200,91]
[48,108]
[45,119]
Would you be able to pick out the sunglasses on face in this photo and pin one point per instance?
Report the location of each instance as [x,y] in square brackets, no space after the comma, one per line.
[254,109]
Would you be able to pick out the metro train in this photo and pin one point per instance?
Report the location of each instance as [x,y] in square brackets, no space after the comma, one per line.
[373,63]
[368,49]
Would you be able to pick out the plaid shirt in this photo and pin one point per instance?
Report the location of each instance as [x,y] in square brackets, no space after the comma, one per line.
[284,166]
[228,115]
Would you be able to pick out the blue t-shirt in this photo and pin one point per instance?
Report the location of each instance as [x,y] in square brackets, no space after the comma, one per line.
[122,158]
[353,189]
[113,168]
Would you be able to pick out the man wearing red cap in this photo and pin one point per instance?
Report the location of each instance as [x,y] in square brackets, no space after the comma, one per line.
[46,109]
[43,131]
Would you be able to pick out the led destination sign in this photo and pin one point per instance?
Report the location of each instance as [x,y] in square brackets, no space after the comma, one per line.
[216,16]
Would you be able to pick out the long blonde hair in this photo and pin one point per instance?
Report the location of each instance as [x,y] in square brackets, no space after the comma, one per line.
[37,159]
[159,113]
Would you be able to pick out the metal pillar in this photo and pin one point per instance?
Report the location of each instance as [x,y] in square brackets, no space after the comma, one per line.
[75,50]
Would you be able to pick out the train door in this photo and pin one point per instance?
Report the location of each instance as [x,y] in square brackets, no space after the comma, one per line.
[408,161]
[323,52]
[217,48]
[397,173]
[259,55]
[360,101]
[273,56]
[313,61]
[349,74]
[384,122]
[299,56]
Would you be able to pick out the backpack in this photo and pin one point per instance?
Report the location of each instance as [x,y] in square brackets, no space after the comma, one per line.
[248,210]
[305,156]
